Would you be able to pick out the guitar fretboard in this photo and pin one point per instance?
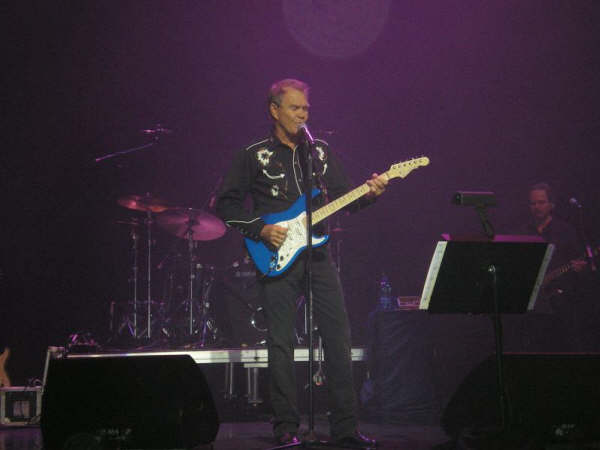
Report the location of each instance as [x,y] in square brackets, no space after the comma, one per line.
[341,202]
[551,276]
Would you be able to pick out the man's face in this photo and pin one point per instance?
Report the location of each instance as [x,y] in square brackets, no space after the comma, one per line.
[292,112]
[540,205]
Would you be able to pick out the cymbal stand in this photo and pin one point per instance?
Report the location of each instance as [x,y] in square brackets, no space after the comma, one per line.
[129,322]
[208,324]
[190,234]
[149,275]
[135,237]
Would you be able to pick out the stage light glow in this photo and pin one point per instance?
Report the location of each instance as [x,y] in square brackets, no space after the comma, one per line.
[336,29]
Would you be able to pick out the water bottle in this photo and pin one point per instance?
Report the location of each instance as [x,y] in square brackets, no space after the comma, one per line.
[385,293]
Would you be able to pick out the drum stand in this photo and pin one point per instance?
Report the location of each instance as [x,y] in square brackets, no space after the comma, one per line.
[190,300]
[135,237]
[149,275]
[206,281]
[160,318]
[208,325]
[147,333]
[133,324]
[129,321]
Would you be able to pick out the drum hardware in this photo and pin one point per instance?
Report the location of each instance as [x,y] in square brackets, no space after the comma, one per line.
[148,222]
[239,287]
[244,270]
[158,323]
[241,297]
[181,221]
[195,225]
[121,324]
[185,223]
[148,204]
[156,134]
[129,321]
[253,320]
[143,203]
[208,323]
[82,342]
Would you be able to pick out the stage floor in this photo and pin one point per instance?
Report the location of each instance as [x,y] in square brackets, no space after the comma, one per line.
[246,355]
[257,435]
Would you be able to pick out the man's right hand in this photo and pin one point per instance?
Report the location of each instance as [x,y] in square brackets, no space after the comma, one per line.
[578,265]
[273,234]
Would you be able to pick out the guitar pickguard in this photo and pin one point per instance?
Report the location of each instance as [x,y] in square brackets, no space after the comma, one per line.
[294,243]
[274,262]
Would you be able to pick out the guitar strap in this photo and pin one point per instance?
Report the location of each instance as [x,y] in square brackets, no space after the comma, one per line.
[318,174]
[320,184]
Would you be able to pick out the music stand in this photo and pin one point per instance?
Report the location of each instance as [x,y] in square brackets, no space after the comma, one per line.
[487,276]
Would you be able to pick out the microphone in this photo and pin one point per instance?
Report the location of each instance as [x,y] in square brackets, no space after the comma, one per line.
[212,201]
[573,201]
[213,194]
[157,130]
[302,127]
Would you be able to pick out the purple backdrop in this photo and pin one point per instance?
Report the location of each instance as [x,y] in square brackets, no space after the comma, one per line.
[499,95]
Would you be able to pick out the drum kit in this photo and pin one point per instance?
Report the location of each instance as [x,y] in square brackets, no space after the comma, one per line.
[183,315]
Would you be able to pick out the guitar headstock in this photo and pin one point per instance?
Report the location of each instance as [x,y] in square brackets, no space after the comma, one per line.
[402,169]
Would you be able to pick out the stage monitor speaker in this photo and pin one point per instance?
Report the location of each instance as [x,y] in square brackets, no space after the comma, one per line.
[127,402]
[550,397]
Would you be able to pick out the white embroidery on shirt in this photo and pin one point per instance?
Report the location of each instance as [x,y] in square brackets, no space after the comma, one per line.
[264,156]
[273,177]
[322,157]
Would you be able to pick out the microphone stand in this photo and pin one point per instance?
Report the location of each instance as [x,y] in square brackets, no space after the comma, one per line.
[124,152]
[308,294]
[310,440]
[155,132]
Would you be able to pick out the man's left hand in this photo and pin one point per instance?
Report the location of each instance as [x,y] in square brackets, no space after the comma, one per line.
[377,185]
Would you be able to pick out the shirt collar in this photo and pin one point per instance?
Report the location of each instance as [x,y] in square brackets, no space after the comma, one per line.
[274,142]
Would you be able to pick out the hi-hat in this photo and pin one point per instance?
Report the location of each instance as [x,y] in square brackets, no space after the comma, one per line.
[202,225]
[143,203]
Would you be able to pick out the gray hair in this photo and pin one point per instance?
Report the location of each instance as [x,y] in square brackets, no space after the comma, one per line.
[278,89]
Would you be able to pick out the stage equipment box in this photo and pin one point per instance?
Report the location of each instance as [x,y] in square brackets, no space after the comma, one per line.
[20,405]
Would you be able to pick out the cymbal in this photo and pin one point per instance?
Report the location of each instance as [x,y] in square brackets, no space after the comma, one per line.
[143,203]
[203,225]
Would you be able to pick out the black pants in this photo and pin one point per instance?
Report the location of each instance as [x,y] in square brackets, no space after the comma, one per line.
[280,295]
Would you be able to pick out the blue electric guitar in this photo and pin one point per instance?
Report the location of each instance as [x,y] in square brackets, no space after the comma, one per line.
[275,262]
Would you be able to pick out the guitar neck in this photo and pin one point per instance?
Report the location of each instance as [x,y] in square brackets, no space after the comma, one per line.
[341,202]
[559,271]
[553,275]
